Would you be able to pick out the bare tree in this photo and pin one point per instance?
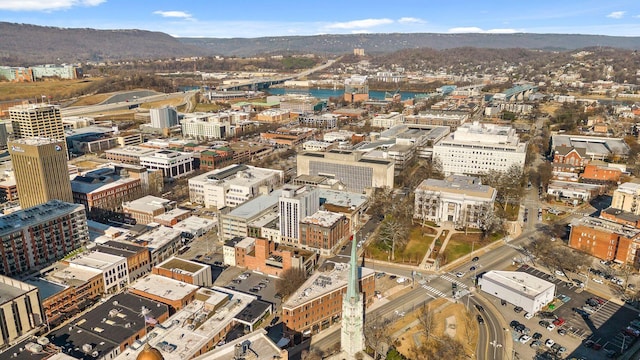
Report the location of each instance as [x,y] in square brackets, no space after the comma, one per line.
[376,335]
[290,280]
[489,222]
[393,234]
[427,322]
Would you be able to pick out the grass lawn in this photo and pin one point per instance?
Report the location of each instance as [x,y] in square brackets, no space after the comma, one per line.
[54,89]
[416,249]
[161,103]
[92,99]
[207,107]
[461,244]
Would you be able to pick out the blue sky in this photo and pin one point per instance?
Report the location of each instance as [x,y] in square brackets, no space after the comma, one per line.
[256,18]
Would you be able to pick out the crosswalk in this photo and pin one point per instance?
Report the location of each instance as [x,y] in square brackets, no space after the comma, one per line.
[434,291]
[454,280]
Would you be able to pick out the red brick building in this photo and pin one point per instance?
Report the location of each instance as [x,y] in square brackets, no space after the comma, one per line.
[270,258]
[216,158]
[318,302]
[323,231]
[571,156]
[606,239]
[599,174]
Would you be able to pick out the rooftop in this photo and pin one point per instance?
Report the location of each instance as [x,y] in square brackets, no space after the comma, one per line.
[188,330]
[35,215]
[607,226]
[131,151]
[342,198]
[458,184]
[256,205]
[181,266]
[594,145]
[257,344]
[322,218]
[194,223]
[35,141]
[321,283]
[96,260]
[629,188]
[158,237]
[147,203]
[11,289]
[519,282]
[173,213]
[239,175]
[163,287]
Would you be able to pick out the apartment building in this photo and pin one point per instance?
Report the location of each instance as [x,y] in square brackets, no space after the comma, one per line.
[323,231]
[626,197]
[232,185]
[138,257]
[478,148]
[606,239]
[164,117]
[114,269]
[296,202]
[38,236]
[207,125]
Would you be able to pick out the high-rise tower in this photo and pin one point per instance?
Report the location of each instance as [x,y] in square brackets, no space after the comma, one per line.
[352,331]
[37,120]
[40,167]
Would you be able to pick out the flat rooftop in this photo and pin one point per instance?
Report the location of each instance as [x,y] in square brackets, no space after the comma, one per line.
[35,215]
[147,203]
[96,260]
[163,287]
[171,214]
[158,237]
[181,265]
[194,223]
[68,275]
[256,205]
[606,225]
[322,283]
[520,282]
[594,145]
[187,331]
[11,289]
[458,184]
[629,188]
[322,218]
[258,344]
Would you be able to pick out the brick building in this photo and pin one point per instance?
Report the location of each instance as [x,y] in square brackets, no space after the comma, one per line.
[216,158]
[599,174]
[317,304]
[605,239]
[323,231]
[190,272]
[138,257]
[171,292]
[269,258]
[570,155]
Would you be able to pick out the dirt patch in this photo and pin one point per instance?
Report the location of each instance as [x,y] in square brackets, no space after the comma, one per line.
[449,318]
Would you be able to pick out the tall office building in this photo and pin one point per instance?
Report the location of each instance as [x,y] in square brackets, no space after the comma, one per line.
[40,167]
[164,117]
[37,120]
[296,203]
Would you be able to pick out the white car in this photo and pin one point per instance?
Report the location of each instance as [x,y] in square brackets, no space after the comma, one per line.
[549,343]
[459,274]
[550,327]
[560,273]
[597,280]
[524,338]
[528,316]
[401,280]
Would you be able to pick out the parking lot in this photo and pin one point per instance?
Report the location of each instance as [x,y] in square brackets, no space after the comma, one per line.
[250,284]
[602,325]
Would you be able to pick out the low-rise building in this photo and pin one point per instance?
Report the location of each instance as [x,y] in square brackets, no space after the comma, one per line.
[266,257]
[596,148]
[115,273]
[324,121]
[522,289]
[387,120]
[138,257]
[174,164]
[352,205]
[314,145]
[460,200]
[171,292]
[287,137]
[606,239]
[452,119]
[105,190]
[573,191]
[273,115]
[601,174]
[236,222]
[187,271]
[22,312]
[195,226]
[162,242]
[232,185]
[317,304]
[144,210]
[627,197]
[128,154]
[216,158]
[323,231]
[172,217]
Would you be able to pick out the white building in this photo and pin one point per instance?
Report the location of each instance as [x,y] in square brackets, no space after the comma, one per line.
[518,288]
[115,272]
[195,226]
[387,120]
[477,148]
[314,145]
[457,199]
[207,125]
[164,117]
[327,121]
[174,164]
[340,135]
[296,203]
[232,185]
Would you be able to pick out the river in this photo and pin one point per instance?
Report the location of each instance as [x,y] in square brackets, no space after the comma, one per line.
[325,94]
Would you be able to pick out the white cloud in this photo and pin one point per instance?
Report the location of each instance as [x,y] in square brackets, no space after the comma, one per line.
[173,14]
[361,31]
[359,24]
[462,30]
[616,14]
[475,29]
[411,20]
[40,5]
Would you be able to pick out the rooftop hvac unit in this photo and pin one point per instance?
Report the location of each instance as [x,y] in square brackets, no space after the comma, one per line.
[87,348]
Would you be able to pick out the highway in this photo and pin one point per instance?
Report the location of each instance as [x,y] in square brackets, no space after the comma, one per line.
[279,79]
[122,105]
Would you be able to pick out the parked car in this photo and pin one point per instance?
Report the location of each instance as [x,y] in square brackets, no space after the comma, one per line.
[524,338]
[528,316]
[560,273]
[275,320]
[559,321]
[535,344]
[517,309]
[536,336]
[514,323]
[550,327]
[562,332]
[543,323]
[597,280]
[380,275]
[520,328]
[549,343]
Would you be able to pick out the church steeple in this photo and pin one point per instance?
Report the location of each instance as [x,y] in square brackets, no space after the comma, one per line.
[353,293]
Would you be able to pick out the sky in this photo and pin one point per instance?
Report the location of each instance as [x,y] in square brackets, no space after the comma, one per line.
[257,18]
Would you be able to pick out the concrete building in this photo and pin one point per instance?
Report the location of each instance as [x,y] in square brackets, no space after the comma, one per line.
[349,167]
[162,241]
[171,292]
[316,304]
[22,313]
[207,126]
[356,89]
[452,119]
[518,288]
[236,223]
[232,185]
[300,104]
[40,235]
[144,210]
[314,145]
[387,120]
[460,200]
[195,226]
[104,189]
[190,272]
[174,164]
[324,121]
[574,191]
[164,117]
[115,273]
[478,148]
[606,239]
[323,231]
[41,172]
[627,197]
[295,203]
[37,121]
[128,154]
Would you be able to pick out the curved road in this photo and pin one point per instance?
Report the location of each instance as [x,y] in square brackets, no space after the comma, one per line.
[92,109]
